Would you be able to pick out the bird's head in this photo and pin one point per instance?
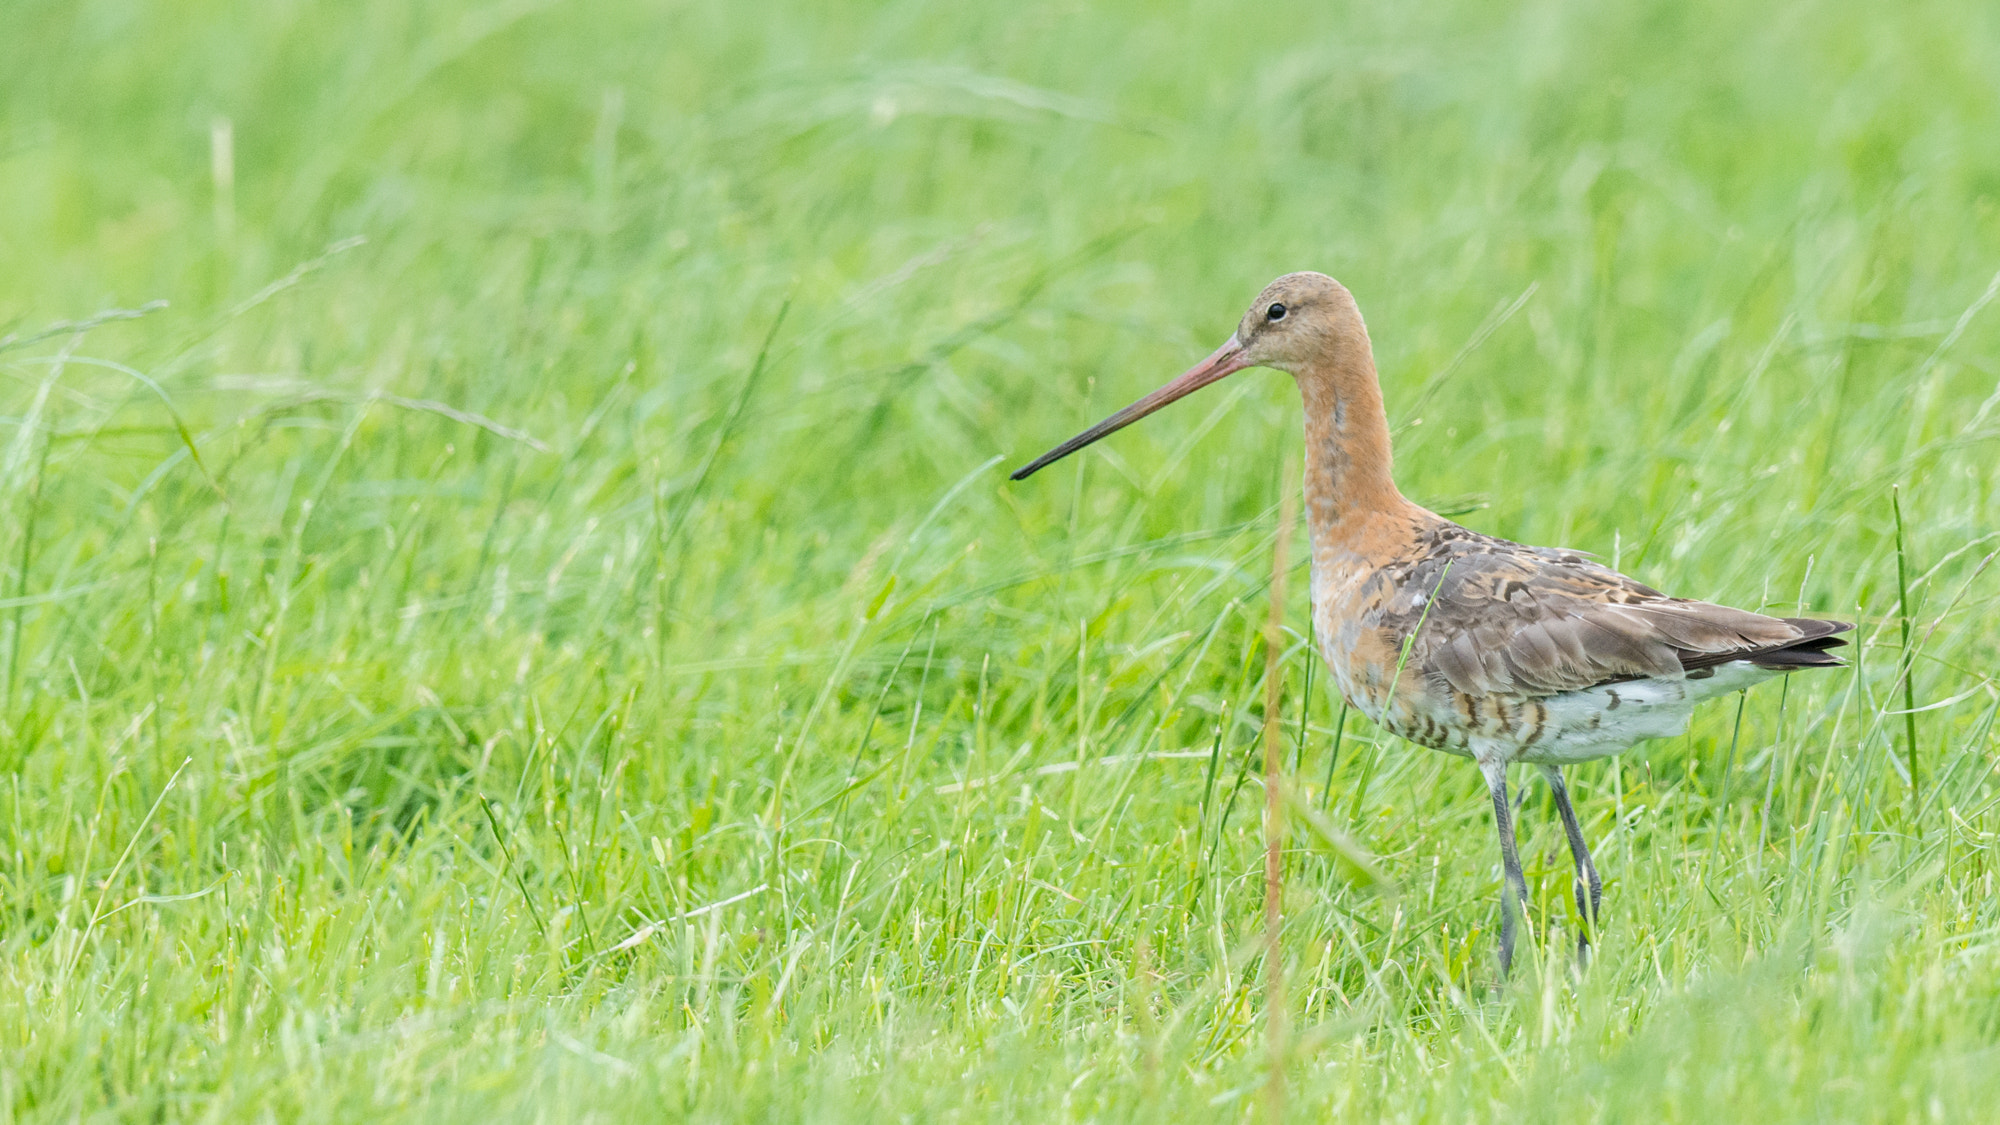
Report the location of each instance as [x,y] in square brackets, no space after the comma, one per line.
[1297,319]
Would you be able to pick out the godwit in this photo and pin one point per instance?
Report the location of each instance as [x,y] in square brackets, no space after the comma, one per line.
[1459,641]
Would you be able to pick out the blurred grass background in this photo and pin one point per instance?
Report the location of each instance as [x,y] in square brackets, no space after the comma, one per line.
[535,628]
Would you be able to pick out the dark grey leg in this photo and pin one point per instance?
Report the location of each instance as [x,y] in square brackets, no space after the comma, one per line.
[1589,888]
[1514,890]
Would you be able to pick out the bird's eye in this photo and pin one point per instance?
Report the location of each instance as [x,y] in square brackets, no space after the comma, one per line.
[1275,312]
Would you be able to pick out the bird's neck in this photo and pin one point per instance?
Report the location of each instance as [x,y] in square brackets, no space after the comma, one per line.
[1348,486]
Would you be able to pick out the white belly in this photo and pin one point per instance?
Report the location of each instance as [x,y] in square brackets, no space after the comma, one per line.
[1601,721]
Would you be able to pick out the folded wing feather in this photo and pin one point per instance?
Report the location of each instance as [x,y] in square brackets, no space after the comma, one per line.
[1506,619]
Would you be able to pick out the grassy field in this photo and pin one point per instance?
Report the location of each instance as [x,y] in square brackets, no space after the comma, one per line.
[510,607]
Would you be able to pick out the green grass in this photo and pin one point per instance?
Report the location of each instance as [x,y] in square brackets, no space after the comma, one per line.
[575,655]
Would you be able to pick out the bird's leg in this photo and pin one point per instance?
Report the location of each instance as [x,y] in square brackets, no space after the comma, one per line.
[1514,891]
[1589,888]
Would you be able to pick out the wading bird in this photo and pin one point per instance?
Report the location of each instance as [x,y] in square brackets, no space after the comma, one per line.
[1460,641]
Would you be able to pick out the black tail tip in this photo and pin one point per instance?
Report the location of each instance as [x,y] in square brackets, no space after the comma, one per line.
[1797,660]
[1809,651]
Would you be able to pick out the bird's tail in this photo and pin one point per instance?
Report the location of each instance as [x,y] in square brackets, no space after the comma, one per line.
[1809,651]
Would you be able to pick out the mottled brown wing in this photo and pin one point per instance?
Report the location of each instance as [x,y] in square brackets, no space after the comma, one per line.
[1507,619]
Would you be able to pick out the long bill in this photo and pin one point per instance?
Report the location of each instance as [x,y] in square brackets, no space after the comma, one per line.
[1224,361]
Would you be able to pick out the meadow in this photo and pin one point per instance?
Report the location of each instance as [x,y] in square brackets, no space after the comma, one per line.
[511,608]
